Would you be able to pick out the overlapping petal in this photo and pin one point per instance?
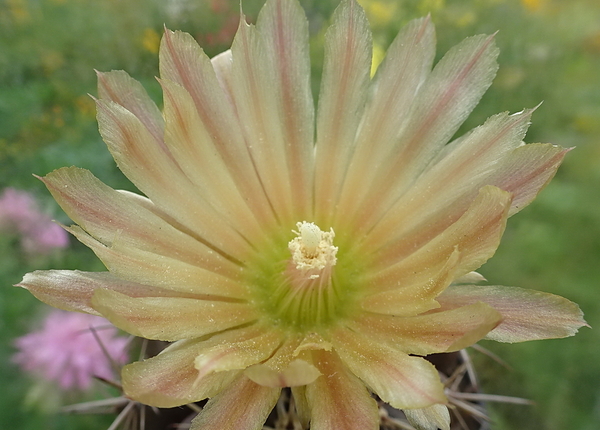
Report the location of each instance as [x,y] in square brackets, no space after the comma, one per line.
[344,86]
[431,333]
[170,379]
[338,400]
[243,405]
[183,62]
[392,93]
[270,84]
[397,378]
[171,318]
[526,314]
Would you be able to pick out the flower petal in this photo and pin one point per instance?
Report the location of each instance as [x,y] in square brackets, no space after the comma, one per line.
[170,318]
[348,52]
[297,373]
[237,349]
[183,62]
[432,333]
[338,400]
[527,314]
[119,87]
[271,88]
[431,418]
[243,405]
[399,379]
[526,170]
[443,102]
[476,234]
[415,292]
[393,90]
[170,379]
[114,217]
[158,176]
[447,187]
[72,290]
[194,151]
[144,267]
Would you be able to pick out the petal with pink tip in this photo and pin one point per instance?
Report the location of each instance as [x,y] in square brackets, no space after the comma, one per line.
[445,190]
[527,314]
[158,176]
[170,379]
[392,93]
[443,102]
[144,267]
[432,333]
[170,318]
[243,405]
[476,235]
[271,89]
[526,170]
[338,400]
[348,52]
[182,61]
[399,379]
[73,290]
[431,418]
[193,149]
[119,87]
[114,217]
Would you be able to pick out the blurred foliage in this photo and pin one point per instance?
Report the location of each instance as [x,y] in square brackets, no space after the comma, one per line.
[550,52]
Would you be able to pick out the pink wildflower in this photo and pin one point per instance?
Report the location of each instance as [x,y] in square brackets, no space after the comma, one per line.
[19,213]
[66,350]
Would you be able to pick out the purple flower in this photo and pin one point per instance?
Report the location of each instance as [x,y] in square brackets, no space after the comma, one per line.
[67,352]
[19,213]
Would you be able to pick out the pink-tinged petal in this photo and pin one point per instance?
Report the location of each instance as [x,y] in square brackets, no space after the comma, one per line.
[301,404]
[476,235]
[119,87]
[446,189]
[413,293]
[113,217]
[527,314]
[170,379]
[170,318]
[193,149]
[243,405]
[145,267]
[431,333]
[348,52]
[431,418]
[443,102]
[271,89]
[161,179]
[338,400]
[397,378]
[237,349]
[182,61]
[526,171]
[73,290]
[406,65]
[297,373]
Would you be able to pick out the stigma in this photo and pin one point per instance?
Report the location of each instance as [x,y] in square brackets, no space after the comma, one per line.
[312,250]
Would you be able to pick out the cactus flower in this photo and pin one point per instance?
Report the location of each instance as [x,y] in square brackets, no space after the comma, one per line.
[324,248]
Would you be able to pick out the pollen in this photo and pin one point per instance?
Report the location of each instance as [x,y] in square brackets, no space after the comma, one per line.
[312,250]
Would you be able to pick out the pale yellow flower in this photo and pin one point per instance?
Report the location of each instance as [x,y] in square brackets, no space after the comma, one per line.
[279,246]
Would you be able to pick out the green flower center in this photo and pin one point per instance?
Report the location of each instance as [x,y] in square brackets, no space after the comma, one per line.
[307,283]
